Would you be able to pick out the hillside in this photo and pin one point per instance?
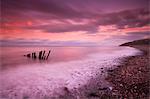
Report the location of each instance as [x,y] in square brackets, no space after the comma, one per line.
[137,42]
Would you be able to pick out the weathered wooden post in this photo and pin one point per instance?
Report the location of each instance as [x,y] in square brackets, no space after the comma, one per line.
[48,55]
[43,55]
[40,55]
[34,55]
[28,55]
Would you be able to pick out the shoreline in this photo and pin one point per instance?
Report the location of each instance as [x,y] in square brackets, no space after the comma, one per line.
[131,78]
[101,85]
[76,80]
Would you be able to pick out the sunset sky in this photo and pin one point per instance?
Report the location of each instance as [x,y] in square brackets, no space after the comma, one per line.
[73,22]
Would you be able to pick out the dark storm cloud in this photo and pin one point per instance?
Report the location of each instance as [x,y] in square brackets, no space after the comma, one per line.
[53,8]
[128,18]
[133,35]
[104,12]
[137,35]
[69,8]
[124,19]
[64,28]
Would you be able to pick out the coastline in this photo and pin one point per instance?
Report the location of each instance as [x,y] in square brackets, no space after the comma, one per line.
[79,79]
[123,77]
[131,78]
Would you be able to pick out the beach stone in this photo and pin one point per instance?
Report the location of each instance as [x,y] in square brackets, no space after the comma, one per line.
[110,70]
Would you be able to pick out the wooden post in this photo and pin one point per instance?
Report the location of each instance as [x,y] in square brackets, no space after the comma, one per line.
[28,55]
[43,55]
[40,55]
[48,55]
[34,54]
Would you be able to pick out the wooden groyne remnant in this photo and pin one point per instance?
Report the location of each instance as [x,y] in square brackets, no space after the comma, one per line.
[40,56]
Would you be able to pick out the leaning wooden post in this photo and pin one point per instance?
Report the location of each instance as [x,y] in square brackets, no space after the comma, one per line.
[48,55]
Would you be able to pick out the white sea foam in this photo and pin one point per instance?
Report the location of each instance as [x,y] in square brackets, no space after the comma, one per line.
[41,81]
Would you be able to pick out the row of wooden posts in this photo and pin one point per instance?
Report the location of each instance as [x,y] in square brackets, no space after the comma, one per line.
[41,55]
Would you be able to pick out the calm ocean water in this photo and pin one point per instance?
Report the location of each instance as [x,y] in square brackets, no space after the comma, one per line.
[69,67]
[13,56]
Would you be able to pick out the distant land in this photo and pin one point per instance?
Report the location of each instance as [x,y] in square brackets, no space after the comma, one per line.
[137,42]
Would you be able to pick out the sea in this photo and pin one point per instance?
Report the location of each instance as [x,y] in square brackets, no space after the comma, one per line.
[66,70]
